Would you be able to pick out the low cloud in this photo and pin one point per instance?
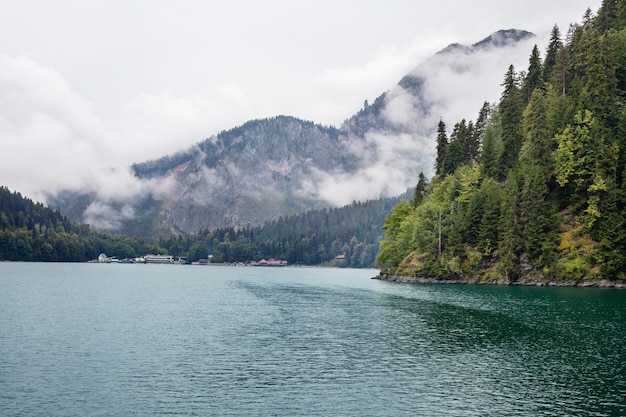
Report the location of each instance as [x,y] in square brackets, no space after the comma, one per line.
[104,216]
[112,205]
[340,91]
[149,126]
[454,87]
[55,140]
[49,133]
[458,91]
[389,164]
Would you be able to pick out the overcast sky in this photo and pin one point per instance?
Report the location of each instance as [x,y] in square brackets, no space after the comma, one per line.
[92,86]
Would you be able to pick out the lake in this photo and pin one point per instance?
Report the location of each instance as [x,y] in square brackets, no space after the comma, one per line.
[147,340]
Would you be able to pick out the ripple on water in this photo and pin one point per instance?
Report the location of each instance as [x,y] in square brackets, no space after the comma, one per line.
[103,340]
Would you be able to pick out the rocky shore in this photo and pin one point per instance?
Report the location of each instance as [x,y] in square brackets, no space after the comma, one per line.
[602,283]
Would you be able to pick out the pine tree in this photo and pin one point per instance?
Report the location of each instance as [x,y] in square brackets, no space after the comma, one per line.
[607,17]
[577,155]
[510,230]
[479,130]
[454,157]
[420,190]
[472,145]
[554,48]
[620,169]
[488,227]
[510,112]
[534,76]
[462,133]
[538,218]
[611,234]
[442,145]
[490,155]
[588,17]
[601,80]
[560,78]
[538,143]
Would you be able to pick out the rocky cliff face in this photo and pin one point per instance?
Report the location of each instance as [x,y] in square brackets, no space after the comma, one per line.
[274,167]
[249,174]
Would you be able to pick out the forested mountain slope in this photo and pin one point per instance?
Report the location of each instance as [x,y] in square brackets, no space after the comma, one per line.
[314,237]
[536,187]
[31,232]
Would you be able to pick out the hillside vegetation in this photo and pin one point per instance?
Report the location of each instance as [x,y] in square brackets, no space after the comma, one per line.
[31,232]
[535,188]
[315,237]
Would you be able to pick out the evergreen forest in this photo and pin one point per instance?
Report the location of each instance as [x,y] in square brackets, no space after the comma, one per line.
[347,237]
[535,187]
[31,232]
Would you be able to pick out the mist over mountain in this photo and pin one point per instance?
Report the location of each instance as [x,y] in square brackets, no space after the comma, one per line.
[274,167]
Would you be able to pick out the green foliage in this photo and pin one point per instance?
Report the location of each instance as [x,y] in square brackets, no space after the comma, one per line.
[31,232]
[547,196]
[534,76]
[510,113]
[391,250]
[491,150]
[510,242]
[488,226]
[580,162]
[465,142]
[484,116]
[442,145]
[310,238]
[420,190]
[554,48]
[538,144]
[538,218]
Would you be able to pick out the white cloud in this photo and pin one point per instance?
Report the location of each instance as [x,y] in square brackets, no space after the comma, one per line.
[86,86]
[103,216]
[341,91]
[53,140]
[461,92]
[391,165]
[152,125]
[48,130]
[401,108]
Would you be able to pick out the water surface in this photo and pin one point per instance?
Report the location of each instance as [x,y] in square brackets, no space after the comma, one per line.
[144,340]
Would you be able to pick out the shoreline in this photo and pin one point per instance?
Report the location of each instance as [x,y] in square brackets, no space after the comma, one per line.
[602,283]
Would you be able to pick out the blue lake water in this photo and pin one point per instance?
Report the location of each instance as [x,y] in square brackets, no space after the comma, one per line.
[146,340]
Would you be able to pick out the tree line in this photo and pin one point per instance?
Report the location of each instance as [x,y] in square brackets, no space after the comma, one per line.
[30,231]
[346,237]
[536,187]
[314,237]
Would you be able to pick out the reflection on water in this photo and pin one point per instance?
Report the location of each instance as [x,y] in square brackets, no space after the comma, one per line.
[141,340]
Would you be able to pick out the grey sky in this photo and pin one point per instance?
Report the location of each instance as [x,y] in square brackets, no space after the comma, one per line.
[88,86]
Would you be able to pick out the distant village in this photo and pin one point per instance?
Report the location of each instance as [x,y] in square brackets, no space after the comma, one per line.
[180,260]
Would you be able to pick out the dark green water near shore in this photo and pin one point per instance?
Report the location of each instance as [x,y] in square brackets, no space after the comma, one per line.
[142,340]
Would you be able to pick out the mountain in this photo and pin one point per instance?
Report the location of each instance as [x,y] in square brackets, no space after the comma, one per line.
[280,166]
[249,174]
[413,105]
